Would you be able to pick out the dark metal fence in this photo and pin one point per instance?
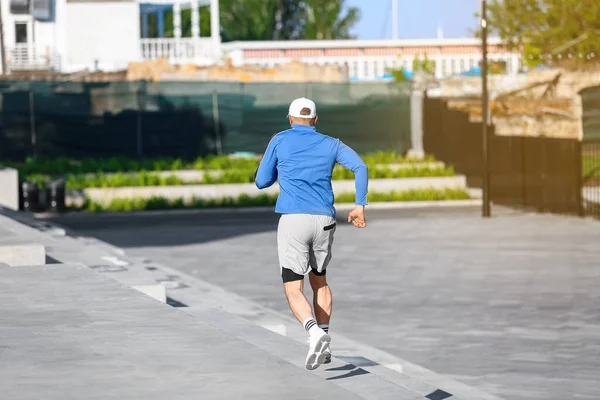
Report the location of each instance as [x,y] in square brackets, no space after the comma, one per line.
[591,176]
[544,174]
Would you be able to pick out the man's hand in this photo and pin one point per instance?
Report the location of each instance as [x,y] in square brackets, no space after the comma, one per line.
[357,217]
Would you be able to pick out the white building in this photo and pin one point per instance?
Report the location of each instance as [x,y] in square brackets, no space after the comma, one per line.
[370,59]
[72,35]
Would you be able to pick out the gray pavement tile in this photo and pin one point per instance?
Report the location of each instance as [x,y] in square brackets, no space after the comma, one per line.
[67,332]
[504,302]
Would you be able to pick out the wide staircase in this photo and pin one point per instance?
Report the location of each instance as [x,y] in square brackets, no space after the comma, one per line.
[81,320]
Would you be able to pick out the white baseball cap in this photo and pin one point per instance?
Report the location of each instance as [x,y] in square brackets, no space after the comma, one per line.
[301,103]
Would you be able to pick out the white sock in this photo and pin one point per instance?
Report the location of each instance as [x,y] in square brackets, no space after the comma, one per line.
[325,327]
[310,324]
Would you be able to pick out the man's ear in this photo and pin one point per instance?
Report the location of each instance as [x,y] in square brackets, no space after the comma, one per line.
[315,120]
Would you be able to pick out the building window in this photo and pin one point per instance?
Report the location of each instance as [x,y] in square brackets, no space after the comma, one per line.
[20,33]
[444,67]
[452,67]
[462,65]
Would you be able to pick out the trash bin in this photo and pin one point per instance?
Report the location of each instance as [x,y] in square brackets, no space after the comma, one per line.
[55,196]
[30,197]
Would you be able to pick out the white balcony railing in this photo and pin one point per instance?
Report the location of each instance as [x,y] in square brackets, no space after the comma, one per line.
[182,50]
[23,56]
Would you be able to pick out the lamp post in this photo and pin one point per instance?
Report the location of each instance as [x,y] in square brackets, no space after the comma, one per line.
[486,212]
[2,50]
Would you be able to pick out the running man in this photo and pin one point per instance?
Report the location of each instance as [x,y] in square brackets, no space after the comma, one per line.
[303,160]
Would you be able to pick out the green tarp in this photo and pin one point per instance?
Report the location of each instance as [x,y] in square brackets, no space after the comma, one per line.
[176,118]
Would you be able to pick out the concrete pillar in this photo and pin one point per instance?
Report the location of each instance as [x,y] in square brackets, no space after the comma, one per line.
[215,26]
[439,73]
[361,72]
[409,63]
[195,19]
[177,19]
[416,124]
[9,182]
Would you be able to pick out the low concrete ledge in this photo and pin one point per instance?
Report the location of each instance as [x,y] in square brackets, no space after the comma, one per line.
[188,192]
[9,182]
[18,255]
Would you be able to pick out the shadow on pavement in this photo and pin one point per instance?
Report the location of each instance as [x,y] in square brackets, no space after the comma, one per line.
[354,372]
[176,228]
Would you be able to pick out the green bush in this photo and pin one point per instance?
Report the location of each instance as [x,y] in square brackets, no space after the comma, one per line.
[102,180]
[244,200]
[408,195]
[229,176]
[146,178]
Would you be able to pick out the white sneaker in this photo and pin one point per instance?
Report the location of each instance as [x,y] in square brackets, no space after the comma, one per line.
[327,353]
[318,345]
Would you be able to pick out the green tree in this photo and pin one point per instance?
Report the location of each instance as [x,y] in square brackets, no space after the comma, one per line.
[425,65]
[329,19]
[289,18]
[248,19]
[270,20]
[558,28]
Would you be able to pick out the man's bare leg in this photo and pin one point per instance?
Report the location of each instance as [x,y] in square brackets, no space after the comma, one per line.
[294,292]
[322,299]
[318,342]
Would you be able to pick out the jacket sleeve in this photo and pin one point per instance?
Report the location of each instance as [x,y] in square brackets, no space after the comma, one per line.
[352,161]
[266,174]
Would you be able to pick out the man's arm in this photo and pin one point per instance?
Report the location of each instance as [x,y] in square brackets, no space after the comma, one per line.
[266,174]
[352,161]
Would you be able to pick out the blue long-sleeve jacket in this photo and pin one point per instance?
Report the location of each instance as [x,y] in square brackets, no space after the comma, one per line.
[303,160]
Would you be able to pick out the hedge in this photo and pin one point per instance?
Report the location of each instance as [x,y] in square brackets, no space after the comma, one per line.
[244,200]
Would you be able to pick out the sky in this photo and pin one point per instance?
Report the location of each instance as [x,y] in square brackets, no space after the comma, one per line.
[418,18]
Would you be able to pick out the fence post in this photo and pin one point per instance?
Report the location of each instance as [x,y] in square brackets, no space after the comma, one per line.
[32,124]
[140,149]
[579,178]
[216,124]
[416,124]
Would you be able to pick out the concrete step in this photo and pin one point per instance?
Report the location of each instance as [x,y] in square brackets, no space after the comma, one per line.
[65,248]
[71,333]
[20,254]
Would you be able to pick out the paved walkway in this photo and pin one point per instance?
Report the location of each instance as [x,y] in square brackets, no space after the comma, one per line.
[508,305]
[69,333]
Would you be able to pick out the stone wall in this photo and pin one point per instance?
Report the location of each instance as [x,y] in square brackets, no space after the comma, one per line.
[295,71]
[559,114]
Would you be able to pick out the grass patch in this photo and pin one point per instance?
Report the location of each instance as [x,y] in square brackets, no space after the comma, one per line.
[244,200]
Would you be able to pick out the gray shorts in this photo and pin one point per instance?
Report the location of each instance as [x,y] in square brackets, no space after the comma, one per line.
[304,242]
